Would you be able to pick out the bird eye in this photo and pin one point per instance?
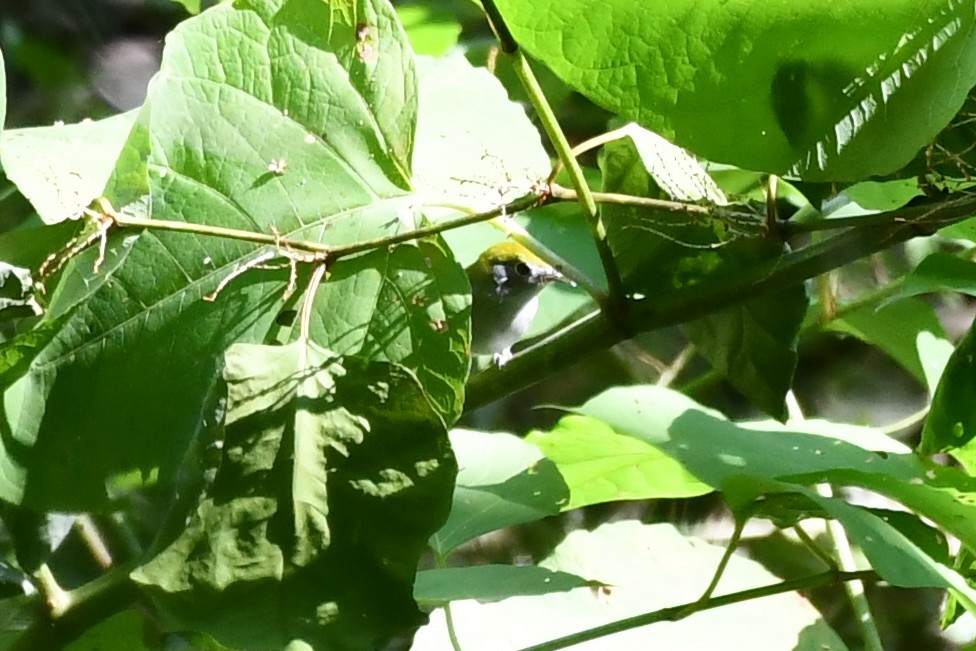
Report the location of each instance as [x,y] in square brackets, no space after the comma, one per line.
[522,269]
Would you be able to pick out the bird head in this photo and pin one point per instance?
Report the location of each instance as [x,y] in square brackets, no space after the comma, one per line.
[505,284]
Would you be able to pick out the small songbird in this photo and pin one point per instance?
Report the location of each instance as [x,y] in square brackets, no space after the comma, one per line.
[505,284]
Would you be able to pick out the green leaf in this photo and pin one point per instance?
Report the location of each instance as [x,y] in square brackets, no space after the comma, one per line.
[870,197]
[656,250]
[244,86]
[745,461]
[334,473]
[754,344]
[503,481]
[934,353]
[192,6]
[800,455]
[894,328]
[61,169]
[17,616]
[600,465]
[951,422]
[491,583]
[644,568]
[941,272]
[28,247]
[788,88]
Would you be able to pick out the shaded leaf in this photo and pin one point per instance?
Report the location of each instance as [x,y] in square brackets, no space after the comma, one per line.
[3,92]
[502,481]
[941,272]
[951,422]
[123,631]
[333,475]
[656,250]
[754,344]
[894,329]
[895,557]
[17,616]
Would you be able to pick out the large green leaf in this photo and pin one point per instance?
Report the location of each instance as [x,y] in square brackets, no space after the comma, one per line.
[732,458]
[843,93]
[333,475]
[292,117]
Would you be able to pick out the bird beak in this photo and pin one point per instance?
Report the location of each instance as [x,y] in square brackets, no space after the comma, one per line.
[547,276]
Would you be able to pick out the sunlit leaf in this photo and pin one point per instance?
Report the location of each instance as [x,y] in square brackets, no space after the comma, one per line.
[790,87]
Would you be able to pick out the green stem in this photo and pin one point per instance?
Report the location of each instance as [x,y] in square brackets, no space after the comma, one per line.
[55,596]
[676,613]
[812,545]
[592,333]
[740,525]
[79,609]
[329,252]
[855,589]
[451,631]
[505,39]
[585,198]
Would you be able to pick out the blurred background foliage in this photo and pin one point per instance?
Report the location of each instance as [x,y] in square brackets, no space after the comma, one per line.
[68,60]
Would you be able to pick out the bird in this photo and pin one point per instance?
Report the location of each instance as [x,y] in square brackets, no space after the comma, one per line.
[505,283]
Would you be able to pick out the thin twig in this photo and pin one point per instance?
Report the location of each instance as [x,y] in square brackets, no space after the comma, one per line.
[816,549]
[677,613]
[590,332]
[588,145]
[740,524]
[451,630]
[671,372]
